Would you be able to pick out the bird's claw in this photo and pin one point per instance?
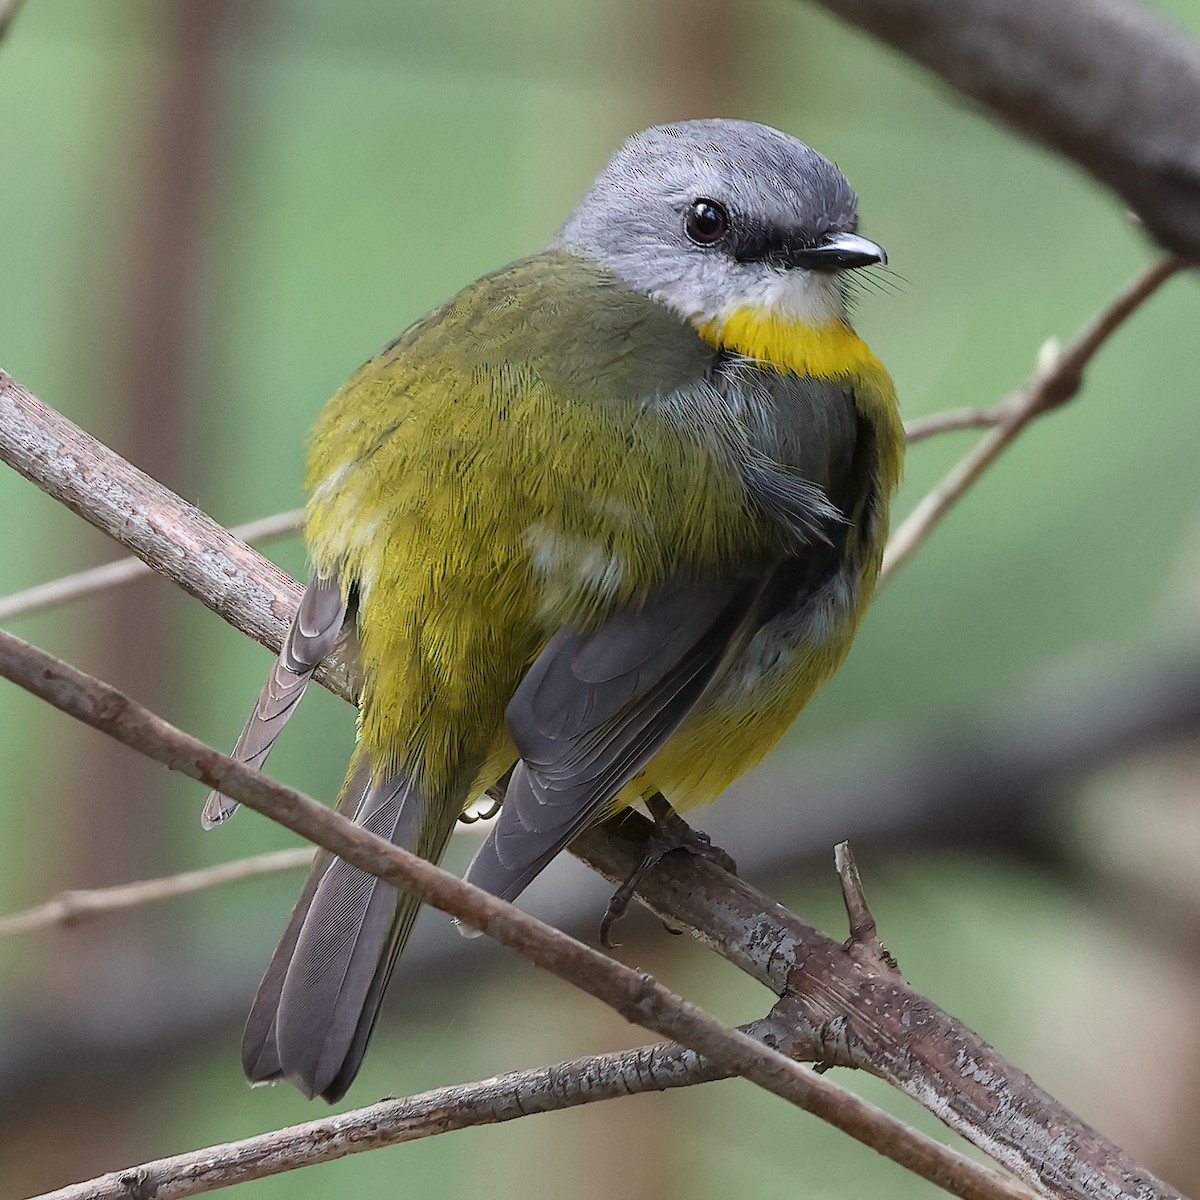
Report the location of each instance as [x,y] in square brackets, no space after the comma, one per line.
[496,795]
[670,832]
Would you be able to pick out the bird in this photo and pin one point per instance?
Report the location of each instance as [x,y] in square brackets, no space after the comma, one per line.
[593,531]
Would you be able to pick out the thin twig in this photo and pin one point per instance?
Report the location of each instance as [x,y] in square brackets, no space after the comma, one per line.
[392,1122]
[1057,378]
[79,904]
[634,994]
[950,421]
[125,570]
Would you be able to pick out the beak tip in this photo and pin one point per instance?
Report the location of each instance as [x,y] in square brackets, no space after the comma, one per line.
[841,252]
[869,253]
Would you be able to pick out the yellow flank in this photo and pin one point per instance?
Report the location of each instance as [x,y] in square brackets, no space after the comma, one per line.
[830,351]
[724,739]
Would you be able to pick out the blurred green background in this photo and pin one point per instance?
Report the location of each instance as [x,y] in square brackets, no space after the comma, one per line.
[212,210]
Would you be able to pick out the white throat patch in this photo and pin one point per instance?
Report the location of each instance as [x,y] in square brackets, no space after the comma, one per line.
[812,298]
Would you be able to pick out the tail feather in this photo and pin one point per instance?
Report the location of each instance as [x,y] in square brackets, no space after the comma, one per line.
[311,636]
[320,998]
[406,916]
[260,1053]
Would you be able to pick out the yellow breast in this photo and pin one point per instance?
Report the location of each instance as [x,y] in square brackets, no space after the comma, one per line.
[721,741]
[827,351]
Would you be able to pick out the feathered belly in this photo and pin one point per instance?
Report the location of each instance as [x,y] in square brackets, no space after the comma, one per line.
[755,698]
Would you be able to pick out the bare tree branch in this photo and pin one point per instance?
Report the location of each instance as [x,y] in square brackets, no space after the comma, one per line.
[115,574]
[515,1094]
[1108,83]
[163,530]
[1057,378]
[79,904]
[868,1016]
[444,1110]
[909,1041]
[634,994]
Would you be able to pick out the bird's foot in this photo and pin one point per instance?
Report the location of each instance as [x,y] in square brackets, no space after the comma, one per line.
[495,795]
[670,832]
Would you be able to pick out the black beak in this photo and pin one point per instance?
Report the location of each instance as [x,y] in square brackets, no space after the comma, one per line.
[838,252]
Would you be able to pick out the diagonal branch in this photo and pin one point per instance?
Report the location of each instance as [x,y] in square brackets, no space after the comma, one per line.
[1058,378]
[392,1122]
[634,994]
[506,1097]
[589,1080]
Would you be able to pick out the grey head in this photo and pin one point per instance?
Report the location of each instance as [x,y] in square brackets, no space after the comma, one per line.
[708,216]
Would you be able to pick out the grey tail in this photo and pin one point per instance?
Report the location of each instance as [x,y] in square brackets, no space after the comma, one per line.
[318,1002]
[313,633]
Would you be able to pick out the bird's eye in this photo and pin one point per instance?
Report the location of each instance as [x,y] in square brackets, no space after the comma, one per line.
[707,222]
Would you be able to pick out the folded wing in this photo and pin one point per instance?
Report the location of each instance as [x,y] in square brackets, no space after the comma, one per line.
[595,708]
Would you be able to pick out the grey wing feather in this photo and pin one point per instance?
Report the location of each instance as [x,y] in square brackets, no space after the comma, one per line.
[594,709]
[312,635]
[319,1000]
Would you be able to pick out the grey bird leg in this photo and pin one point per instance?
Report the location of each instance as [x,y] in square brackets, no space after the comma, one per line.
[670,832]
